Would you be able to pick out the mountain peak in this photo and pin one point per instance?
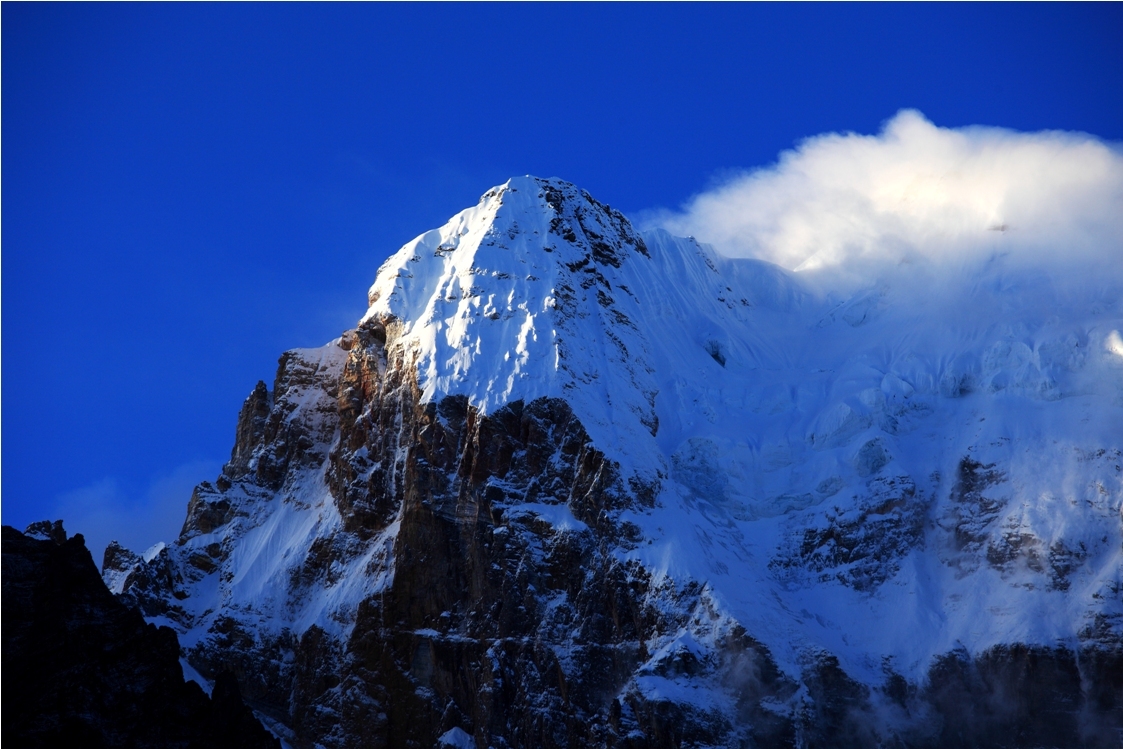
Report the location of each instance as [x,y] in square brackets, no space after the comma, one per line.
[526,295]
[834,491]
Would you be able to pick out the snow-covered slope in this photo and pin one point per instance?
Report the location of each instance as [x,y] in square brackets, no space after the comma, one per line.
[926,466]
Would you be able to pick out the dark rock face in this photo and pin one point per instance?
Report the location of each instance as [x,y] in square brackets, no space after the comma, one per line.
[861,546]
[81,669]
[150,586]
[974,509]
[1019,696]
[1008,697]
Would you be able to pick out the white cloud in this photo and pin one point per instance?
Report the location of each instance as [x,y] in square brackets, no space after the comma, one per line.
[103,512]
[846,204]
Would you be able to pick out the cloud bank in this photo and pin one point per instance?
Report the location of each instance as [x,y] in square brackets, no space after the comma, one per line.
[841,204]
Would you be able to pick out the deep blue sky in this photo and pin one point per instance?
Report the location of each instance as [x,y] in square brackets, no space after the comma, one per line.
[190,189]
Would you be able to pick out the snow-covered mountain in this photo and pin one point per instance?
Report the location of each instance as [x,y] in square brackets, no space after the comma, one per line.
[568,484]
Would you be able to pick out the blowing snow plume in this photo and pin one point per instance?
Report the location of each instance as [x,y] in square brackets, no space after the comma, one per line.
[851,204]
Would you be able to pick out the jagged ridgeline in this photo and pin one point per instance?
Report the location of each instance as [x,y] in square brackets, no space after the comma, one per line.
[570,484]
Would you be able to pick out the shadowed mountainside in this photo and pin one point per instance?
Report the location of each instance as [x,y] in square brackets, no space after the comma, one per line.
[82,670]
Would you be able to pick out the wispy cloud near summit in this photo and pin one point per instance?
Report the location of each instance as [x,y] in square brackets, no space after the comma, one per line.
[920,193]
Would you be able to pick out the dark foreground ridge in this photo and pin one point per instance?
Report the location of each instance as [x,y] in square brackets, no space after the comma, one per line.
[82,670]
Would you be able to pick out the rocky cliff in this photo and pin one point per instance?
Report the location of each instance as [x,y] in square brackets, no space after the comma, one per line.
[567,484]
